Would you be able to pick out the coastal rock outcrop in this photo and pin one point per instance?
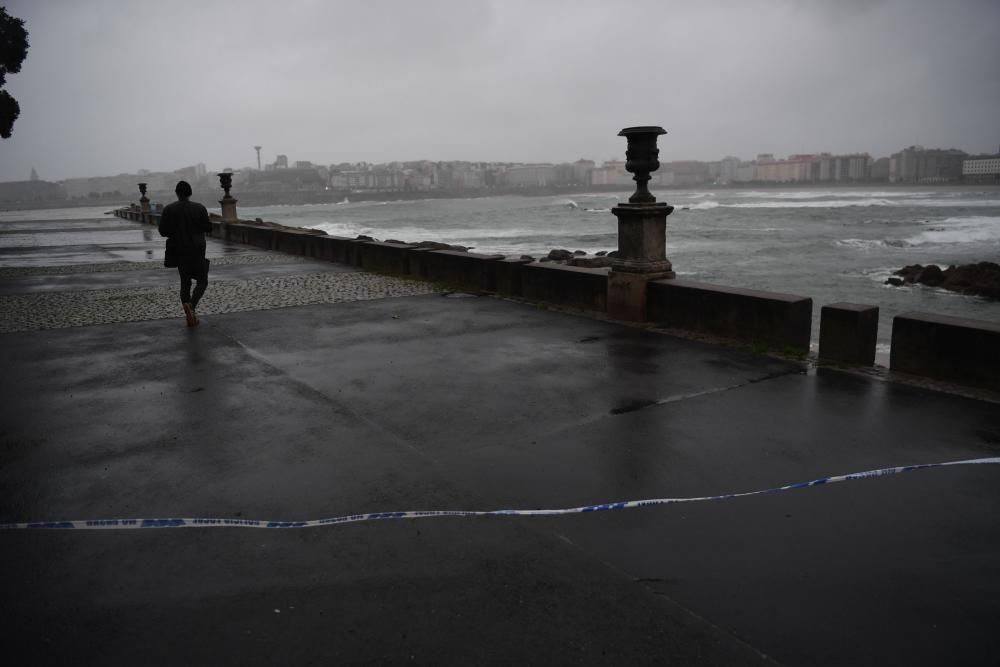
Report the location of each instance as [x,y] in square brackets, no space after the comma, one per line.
[435,245]
[980,279]
[578,258]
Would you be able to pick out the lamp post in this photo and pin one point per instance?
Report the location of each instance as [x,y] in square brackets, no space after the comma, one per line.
[642,231]
[228,202]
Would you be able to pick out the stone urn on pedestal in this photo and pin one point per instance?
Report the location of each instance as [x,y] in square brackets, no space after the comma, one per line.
[143,199]
[228,202]
[642,231]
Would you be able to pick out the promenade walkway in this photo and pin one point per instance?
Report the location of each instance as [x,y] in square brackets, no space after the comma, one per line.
[315,390]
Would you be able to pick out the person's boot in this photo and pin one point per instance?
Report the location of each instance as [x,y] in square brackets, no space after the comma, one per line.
[192,321]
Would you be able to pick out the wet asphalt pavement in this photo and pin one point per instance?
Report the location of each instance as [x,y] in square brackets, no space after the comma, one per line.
[430,402]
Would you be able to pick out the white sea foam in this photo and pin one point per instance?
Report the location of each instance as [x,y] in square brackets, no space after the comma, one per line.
[702,205]
[833,203]
[951,203]
[862,244]
[819,194]
[348,229]
[972,229]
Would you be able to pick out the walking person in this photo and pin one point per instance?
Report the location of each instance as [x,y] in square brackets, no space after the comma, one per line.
[184,223]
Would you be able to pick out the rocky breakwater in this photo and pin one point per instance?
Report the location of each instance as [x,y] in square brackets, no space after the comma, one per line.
[578,258]
[981,279]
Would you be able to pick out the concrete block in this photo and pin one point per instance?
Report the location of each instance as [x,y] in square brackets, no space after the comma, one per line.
[287,241]
[466,270]
[562,285]
[415,264]
[627,295]
[508,273]
[776,320]
[334,248]
[260,237]
[848,333]
[392,258]
[955,349]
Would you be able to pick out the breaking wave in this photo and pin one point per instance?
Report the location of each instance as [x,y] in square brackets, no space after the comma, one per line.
[834,203]
[701,206]
[973,229]
[871,244]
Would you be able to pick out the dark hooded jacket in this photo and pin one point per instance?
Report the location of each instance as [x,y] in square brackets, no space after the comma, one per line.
[185,223]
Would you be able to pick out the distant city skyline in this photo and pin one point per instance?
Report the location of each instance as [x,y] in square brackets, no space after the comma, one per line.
[107,88]
[283,160]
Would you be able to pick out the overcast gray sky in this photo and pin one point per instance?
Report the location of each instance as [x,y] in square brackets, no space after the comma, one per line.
[113,86]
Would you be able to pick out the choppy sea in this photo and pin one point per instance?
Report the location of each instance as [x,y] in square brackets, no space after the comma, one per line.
[830,244]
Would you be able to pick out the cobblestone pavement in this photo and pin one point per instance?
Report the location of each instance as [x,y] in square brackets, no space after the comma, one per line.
[55,310]
[8,272]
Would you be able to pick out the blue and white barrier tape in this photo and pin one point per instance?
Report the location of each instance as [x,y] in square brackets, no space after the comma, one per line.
[131,524]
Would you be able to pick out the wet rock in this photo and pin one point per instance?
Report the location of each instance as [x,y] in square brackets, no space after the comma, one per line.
[979,279]
[363,237]
[932,275]
[613,253]
[590,262]
[436,245]
[601,253]
[579,252]
[559,254]
[527,257]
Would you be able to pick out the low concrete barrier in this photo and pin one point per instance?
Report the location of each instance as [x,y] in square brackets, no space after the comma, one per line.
[956,349]
[466,270]
[948,348]
[509,271]
[392,258]
[562,285]
[778,321]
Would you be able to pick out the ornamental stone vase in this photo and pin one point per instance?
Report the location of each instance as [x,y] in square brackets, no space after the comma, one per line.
[641,159]
[143,199]
[227,202]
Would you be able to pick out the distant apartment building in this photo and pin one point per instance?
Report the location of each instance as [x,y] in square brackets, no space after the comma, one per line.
[879,170]
[582,170]
[981,169]
[794,169]
[728,167]
[281,162]
[120,185]
[841,168]
[681,173]
[917,164]
[461,176]
[530,175]
[285,180]
[34,191]
[744,173]
[612,172]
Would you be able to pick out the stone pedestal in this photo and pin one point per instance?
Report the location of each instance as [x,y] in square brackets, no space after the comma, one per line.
[228,209]
[642,243]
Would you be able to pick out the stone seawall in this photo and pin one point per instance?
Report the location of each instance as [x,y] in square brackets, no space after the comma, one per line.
[767,320]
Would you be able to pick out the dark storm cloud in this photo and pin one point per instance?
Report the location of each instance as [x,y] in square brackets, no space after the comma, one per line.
[113,86]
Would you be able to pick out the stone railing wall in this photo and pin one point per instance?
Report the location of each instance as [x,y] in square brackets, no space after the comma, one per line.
[961,351]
